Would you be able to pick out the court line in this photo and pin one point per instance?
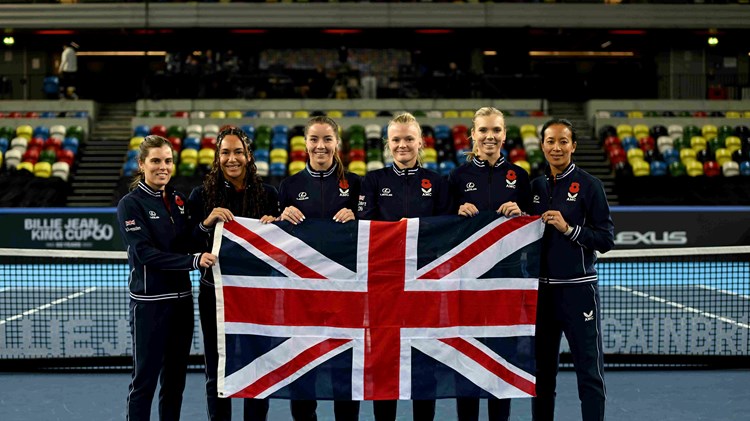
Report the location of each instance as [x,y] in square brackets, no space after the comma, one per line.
[48,305]
[681,306]
[723,291]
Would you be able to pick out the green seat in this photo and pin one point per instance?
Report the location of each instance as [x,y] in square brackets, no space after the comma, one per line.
[677,169]
[48,155]
[186,169]
[176,131]
[513,132]
[76,132]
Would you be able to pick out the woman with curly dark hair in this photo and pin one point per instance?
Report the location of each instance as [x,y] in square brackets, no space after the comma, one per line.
[232,188]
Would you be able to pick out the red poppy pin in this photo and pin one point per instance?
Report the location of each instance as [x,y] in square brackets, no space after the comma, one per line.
[510,175]
[574,187]
[178,201]
[426,184]
[344,184]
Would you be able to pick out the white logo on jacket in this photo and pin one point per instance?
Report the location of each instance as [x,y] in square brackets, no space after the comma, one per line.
[536,198]
[470,186]
[302,196]
[572,197]
[386,192]
[153,215]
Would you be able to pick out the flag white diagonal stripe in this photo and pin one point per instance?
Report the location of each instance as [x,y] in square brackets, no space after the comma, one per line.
[483,262]
[270,361]
[469,368]
[293,246]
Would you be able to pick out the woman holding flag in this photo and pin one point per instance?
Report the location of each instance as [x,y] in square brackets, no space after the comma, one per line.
[232,188]
[322,190]
[403,190]
[488,182]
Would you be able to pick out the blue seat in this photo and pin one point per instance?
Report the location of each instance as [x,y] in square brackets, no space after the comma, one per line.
[71,144]
[277,169]
[191,142]
[658,168]
[446,167]
[41,131]
[4,144]
[249,130]
[142,130]
[279,141]
[261,155]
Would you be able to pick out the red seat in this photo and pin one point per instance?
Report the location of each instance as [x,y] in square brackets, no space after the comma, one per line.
[517,154]
[31,155]
[647,143]
[66,155]
[53,143]
[612,142]
[159,130]
[208,142]
[176,143]
[711,168]
[298,155]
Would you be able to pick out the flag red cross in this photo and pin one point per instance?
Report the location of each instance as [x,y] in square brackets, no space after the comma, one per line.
[385,308]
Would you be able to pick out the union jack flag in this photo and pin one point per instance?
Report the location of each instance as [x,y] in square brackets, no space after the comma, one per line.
[422,308]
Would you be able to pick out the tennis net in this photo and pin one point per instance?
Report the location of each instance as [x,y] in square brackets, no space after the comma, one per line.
[660,307]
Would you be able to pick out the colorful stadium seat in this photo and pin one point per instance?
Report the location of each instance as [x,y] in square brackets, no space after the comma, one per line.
[694,168]
[730,169]
[61,170]
[43,169]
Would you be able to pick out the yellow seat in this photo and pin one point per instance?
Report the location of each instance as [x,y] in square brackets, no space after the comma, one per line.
[297,143]
[698,143]
[368,114]
[733,114]
[234,114]
[296,166]
[640,130]
[641,168]
[709,131]
[358,167]
[279,155]
[635,153]
[528,130]
[733,143]
[467,114]
[25,131]
[206,156]
[687,154]
[43,169]
[189,156]
[624,130]
[135,142]
[524,164]
[723,155]
[26,165]
[635,114]
[450,114]
[218,114]
[694,168]
[300,114]
[429,155]
[335,114]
